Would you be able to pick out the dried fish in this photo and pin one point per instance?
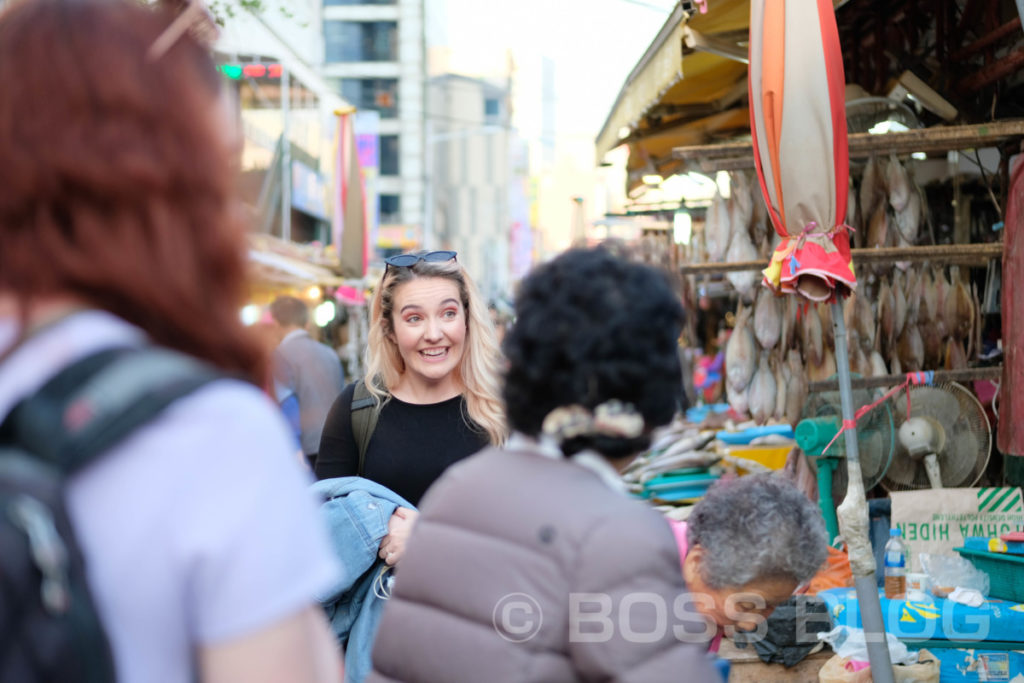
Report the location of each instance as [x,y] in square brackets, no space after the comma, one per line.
[877,363]
[823,370]
[828,333]
[716,228]
[910,349]
[767,318]
[955,357]
[742,249]
[899,309]
[737,399]
[782,379]
[908,220]
[878,227]
[741,203]
[811,336]
[739,352]
[761,398]
[796,390]
[872,188]
[897,183]
[886,313]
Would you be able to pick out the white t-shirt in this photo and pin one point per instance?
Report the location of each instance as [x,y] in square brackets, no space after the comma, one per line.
[199,527]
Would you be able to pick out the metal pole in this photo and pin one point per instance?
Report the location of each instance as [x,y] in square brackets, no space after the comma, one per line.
[286,156]
[853,520]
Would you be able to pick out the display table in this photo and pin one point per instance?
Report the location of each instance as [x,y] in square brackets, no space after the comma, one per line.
[747,667]
[984,643]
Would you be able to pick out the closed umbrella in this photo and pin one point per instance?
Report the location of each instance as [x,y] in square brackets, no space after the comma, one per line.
[798,125]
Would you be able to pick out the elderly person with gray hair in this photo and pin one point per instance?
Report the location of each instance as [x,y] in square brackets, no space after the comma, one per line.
[747,546]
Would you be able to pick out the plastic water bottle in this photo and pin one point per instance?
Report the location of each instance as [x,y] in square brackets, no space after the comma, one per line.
[895,565]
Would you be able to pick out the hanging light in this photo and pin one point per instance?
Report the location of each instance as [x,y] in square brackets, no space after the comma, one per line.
[324,313]
[250,314]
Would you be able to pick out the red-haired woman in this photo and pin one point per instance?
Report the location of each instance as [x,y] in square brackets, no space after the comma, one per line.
[119,226]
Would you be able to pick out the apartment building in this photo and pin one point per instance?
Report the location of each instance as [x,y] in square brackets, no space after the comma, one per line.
[374,56]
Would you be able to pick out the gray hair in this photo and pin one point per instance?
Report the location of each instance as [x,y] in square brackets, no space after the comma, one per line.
[756,527]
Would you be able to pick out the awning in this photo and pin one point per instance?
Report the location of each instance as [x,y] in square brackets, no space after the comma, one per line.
[689,88]
[279,264]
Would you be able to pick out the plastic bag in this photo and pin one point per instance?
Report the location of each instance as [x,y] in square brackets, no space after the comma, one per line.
[849,642]
[946,572]
[836,573]
[925,670]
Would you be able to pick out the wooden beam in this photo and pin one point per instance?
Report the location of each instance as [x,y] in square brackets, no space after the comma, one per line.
[731,155]
[994,372]
[942,253]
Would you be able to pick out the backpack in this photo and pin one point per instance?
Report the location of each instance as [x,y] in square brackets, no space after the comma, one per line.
[49,626]
[364,419]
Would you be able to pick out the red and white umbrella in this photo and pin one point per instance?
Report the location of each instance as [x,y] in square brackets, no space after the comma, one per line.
[798,124]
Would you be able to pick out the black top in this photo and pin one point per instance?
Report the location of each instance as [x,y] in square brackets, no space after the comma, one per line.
[411,446]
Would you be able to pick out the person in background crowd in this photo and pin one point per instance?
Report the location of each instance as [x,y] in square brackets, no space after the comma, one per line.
[306,369]
[120,227]
[508,541]
[747,546]
[434,363]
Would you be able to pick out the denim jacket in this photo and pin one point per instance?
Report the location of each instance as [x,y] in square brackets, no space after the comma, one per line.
[357,512]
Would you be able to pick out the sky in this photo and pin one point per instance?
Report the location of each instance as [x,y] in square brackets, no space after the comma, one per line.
[594,44]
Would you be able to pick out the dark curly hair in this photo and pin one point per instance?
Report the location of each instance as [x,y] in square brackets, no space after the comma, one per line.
[591,327]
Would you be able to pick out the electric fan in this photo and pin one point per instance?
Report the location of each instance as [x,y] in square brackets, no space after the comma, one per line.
[876,445]
[945,443]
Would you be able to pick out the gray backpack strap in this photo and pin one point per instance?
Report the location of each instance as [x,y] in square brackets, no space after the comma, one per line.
[364,420]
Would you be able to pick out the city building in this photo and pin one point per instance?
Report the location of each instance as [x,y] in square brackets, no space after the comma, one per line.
[470,149]
[374,57]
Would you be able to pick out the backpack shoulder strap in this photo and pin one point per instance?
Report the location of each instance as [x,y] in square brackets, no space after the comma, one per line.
[364,419]
[92,404]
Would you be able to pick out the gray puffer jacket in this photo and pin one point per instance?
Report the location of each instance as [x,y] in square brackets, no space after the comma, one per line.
[527,568]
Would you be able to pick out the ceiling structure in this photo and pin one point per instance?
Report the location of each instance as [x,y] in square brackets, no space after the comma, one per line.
[964,60]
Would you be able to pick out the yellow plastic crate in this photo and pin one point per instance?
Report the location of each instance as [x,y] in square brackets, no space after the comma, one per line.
[773,457]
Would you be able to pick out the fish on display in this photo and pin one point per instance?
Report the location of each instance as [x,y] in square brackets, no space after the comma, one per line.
[740,360]
[761,399]
[767,318]
[796,390]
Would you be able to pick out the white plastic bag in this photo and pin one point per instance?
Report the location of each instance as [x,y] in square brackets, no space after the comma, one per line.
[850,643]
[946,572]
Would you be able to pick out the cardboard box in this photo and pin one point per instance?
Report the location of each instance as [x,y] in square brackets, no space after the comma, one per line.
[936,521]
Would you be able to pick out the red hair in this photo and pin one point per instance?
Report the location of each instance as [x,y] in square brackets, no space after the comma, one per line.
[117,185]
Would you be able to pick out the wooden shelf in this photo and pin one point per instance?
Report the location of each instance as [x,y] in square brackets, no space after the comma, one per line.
[994,372]
[735,155]
[974,254]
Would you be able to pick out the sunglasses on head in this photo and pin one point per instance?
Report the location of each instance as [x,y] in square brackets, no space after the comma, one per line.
[409,260]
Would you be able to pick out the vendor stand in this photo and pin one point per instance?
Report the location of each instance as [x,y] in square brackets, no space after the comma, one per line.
[960,222]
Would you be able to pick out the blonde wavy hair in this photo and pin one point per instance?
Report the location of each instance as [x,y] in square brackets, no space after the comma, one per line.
[480,368]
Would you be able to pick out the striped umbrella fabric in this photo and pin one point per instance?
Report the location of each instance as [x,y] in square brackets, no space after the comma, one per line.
[798,124]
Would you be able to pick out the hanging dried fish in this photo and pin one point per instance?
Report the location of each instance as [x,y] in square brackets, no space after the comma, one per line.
[716,228]
[761,398]
[767,318]
[741,203]
[742,249]
[913,297]
[897,183]
[739,352]
[877,363]
[899,308]
[910,349]
[872,188]
[783,376]
[796,389]
[811,336]
[932,342]
[959,307]
[955,357]
[828,333]
[737,399]
[886,313]
[878,227]
[825,369]
[908,221]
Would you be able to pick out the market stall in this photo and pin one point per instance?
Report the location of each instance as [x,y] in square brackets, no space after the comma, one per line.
[933,213]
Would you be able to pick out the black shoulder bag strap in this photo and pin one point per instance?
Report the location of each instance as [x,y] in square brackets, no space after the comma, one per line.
[364,419]
[92,404]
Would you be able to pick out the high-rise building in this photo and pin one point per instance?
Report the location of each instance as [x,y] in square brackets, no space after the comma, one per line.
[374,56]
[470,151]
